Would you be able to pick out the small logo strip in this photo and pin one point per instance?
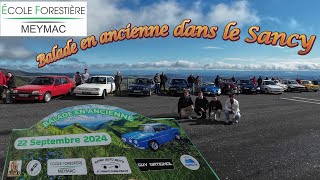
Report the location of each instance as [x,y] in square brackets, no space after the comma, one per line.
[111,165]
[154,164]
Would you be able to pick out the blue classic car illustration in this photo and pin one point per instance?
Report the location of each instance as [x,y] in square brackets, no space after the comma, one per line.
[209,88]
[151,136]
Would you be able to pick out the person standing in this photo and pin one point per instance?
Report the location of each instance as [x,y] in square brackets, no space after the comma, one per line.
[3,82]
[118,80]
[156,80]
[259,81]
[254,80]
[215,108]
[85,76]
[185,105]
[231,108]
[163,80]
[233,79]
[190,80]
[201,106]
[11,83]
[217,81]
[77,79]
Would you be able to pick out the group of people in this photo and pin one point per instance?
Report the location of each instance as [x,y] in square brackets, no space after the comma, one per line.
[7,83]
[214,108]
[160,81]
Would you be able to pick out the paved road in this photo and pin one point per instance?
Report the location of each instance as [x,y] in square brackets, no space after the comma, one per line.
[278,136]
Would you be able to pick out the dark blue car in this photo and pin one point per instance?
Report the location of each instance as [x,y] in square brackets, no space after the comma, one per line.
[177,86]
[142,86]
[209,88]
[151,136]
[247,87]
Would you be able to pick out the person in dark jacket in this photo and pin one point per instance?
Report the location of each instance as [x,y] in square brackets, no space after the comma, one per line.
[11,83]
[3,82]
[259,81]
[117,81]
[163,80]
[217,81]
[77,79]
[185,105]
[201,106]
[215,108]
[190,80]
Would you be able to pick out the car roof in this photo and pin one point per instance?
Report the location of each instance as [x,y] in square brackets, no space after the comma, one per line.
[101,76]
[52,76]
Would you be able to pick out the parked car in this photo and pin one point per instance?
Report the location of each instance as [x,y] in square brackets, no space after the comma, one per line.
[270,87]
[43,88]
[228,86]
[151,136]
[209,88]
[177,86]
[309,86]
[284,87]
[99,86]
[247,86]
[315,82]
[293,85]
[142,86]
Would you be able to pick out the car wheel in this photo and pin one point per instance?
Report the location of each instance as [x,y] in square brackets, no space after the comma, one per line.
[177,136]
[315,90]
[153,145]
[47,97]
[103,96]
[266,91]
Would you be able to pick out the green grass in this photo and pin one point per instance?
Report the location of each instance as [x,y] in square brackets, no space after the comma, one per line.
[172,150]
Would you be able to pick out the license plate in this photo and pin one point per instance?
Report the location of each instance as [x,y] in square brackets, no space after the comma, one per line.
[137,91]
[86,92]
[23,95]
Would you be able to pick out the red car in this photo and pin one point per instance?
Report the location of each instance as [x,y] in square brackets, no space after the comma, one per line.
[43,88]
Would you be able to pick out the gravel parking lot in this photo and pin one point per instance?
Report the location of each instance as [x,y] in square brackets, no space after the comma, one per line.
[278,136]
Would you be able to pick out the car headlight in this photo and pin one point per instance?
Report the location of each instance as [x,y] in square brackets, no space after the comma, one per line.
[219,90]
[135,141]
[96,89]
[15,91]
[124,139]
[258,88]
[130,87]
[36,92]
[130,141]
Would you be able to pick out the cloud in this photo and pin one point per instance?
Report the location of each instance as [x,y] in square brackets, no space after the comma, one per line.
[212,47]
[106,15]
[14,50]
[293,23]
[280,47]
[272,19]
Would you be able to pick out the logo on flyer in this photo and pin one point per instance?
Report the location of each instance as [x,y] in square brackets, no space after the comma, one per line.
[111,165]
[14,168]
[66,167]
[190,162]
[34,168]
[154,164]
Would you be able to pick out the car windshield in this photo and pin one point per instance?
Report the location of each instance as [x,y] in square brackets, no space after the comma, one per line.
[178,82]
[246,82]
[42,81]
[306,82]
[142,81]
[208,84]
[269,83]
[97,80]
[146,128]
[315,82]
[292,82]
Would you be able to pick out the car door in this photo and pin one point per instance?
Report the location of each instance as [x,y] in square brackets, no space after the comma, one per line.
[110,84]
[56,90]
[65,85]
[162,133]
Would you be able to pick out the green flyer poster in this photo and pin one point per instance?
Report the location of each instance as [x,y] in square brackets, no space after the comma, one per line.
[104,142]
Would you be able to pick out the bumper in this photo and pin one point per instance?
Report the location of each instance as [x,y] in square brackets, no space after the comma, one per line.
[27,97]
[175,91]
[138,92]
[275,92]
[87,93]
[250,90]
[211,93]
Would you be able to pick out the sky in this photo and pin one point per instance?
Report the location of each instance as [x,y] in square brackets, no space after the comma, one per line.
[179,53]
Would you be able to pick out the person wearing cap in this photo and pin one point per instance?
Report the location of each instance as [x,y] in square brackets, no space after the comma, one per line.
[185,105]
[215,108]
[77,79]
[232,109]
[85,76]
[201,106]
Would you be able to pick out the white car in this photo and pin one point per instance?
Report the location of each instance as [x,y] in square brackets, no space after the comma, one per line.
[293,85]
[96,86]
[270,87]
[284,87]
